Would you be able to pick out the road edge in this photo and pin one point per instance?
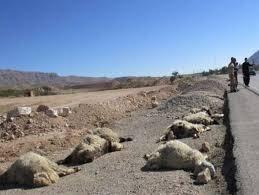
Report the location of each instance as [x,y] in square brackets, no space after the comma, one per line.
[229,169]
[252,89]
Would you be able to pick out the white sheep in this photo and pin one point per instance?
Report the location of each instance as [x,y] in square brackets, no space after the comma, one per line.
[34,170]
[200,118]
[177,155]
[182,129]
[92,147]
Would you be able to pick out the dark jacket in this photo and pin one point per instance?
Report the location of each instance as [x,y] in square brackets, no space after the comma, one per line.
[245,68]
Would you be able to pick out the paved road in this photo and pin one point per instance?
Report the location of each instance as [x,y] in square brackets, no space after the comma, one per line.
[244,122]
[254,81]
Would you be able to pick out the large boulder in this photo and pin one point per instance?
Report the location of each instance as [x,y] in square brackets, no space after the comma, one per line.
[19,111]
[34,170]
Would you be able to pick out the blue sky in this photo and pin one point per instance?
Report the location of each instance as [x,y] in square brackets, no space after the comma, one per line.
[125,37]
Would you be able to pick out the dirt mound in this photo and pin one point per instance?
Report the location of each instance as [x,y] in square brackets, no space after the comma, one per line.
[36,124]
[208,85]
[103,114]
[199,93]
[186,102]
[43,134]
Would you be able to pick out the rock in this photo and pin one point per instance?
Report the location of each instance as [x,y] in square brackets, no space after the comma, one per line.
[218,116]
[2,118]
[144,94]
[5,135]
[154,104]
[196,136]
[32,115]
[19,111]
[30,121]
[65,111]
[14,127]
[52,113]
[203,177]
[2,159]
[205,147]
[19,133]
[42,108]
[12,137]
[11,119]
[27,126]
[153,98]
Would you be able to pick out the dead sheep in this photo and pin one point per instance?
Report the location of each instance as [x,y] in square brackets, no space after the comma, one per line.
[109,135]
[178,155]
[202,109]
[182,129]
[92,147]
[99,142]
[106,134]
[200,118]
[34,170]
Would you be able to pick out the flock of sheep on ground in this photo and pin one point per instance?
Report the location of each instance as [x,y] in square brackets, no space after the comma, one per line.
[34,170]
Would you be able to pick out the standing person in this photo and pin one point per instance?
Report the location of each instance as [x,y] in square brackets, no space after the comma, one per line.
[246,74]
[231,73]
[235,72]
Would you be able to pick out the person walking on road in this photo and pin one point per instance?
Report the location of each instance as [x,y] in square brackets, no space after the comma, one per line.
[231,73]
[246,74]
[235,72]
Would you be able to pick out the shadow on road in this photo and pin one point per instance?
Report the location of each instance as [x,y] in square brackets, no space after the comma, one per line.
[229,167]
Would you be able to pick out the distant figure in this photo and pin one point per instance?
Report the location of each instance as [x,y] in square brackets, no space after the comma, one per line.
[246,74]
[235,72]
[231,73]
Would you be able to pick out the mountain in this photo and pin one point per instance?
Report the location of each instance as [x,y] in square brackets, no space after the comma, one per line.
[254,59]
[13,79]
[21,79]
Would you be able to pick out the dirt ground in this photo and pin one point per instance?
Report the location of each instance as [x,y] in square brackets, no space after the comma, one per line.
[121,172]
[71,99]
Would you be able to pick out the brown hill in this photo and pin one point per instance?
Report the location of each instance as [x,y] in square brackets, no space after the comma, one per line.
[21,79]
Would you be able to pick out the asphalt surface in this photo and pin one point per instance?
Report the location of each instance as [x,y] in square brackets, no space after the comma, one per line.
[244,122]
[254,81]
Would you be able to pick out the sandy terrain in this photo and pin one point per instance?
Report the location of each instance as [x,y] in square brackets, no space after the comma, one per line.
[121,172]
[71,99]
